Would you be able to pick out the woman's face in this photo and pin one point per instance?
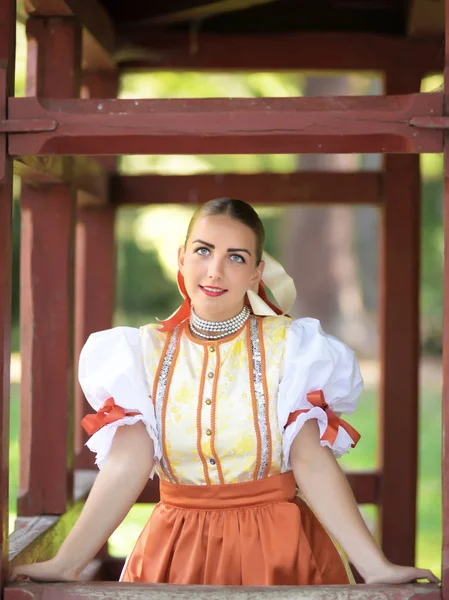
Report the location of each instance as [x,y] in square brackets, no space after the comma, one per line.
[219,266]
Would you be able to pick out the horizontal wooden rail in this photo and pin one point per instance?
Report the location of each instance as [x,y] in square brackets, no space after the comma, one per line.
[229,126]
[365,485]
[146,591]
[256,188]
[296,51]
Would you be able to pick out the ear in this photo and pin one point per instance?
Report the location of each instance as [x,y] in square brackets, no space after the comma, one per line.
[258,273]
[181,257]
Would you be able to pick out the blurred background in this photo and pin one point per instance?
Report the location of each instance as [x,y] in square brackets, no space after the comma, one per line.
[332,253]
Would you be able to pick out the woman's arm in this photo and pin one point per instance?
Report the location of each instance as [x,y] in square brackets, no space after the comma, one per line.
[114,492]
[326,488]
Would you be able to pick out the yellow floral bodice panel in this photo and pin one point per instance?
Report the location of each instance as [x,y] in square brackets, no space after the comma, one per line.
[215,402]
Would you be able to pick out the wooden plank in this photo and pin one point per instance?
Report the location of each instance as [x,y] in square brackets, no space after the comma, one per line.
[85,174]
[98,37]
[201,10]
[150,494]
[7,47]
[47,282]
[365,485]
[48,223]
[400,345]
[255,188]
[298,51]
[426,17]
[445,404]
[52,67]
[147,591]
[229,126]
[39,538]
[94,267]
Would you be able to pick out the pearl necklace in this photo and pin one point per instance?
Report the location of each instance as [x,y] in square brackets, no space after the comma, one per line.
[218,329]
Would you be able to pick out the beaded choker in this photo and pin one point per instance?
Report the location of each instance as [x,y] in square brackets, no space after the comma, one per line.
[217,329]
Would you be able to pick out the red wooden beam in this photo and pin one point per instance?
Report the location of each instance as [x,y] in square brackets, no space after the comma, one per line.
[203,9]
[99,37]
[300,51]
[365,486]
[149,591]
[47,282]
[256,188]
[223,126]
[7,46]
[400,344]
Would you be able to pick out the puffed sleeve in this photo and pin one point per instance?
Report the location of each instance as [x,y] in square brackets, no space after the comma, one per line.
[321,379]
[112,376]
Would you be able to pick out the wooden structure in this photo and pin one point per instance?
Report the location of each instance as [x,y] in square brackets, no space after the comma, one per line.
[77,51]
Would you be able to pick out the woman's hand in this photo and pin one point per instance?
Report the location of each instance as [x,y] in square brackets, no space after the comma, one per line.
[326,488]
[390,573]
[49,570]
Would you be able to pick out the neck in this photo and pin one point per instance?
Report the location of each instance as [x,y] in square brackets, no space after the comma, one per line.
[217,317]
[217,329]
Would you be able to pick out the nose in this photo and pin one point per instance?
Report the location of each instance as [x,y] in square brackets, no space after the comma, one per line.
[215,270]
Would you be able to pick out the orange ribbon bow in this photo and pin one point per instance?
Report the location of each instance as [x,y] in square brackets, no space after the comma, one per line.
[108,413]
[333,420]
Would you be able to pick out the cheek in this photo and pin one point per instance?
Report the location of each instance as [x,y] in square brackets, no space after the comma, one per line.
[193,268]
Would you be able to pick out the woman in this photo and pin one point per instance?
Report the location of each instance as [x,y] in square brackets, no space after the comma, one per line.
[234,405]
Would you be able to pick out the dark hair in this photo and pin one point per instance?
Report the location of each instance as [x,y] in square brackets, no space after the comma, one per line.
[236,209]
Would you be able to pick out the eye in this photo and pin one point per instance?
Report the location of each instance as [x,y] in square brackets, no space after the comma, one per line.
[203,251]
[237,258]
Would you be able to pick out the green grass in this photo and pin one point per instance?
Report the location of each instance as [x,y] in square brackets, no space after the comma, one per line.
[363,457]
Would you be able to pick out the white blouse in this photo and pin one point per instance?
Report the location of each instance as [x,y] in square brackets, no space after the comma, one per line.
[222,411]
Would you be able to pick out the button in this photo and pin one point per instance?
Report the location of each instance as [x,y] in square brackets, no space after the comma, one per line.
[212,462]
[211,348]
[210,374]
[208,402]
[208,432]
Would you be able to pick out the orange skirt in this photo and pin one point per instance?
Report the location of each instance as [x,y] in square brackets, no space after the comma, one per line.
[255,533]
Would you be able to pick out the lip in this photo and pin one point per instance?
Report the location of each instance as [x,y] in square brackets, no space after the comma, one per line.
[209,293]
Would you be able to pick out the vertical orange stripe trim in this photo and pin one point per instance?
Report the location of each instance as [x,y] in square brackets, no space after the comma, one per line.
[253,396]
[265,392]
[164,405]
[214,408]
[198,418]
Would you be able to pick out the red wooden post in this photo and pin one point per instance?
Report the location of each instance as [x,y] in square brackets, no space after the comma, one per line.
[399,343]
[7,46]
[94,268]
[445,417]
[47,280]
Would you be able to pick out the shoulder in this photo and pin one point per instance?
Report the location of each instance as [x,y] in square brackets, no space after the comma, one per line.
[152,338]
[152,332]
[307,335]
[276,328]
[109,342]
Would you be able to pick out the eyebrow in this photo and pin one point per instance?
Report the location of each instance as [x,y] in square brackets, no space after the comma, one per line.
[229,249]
